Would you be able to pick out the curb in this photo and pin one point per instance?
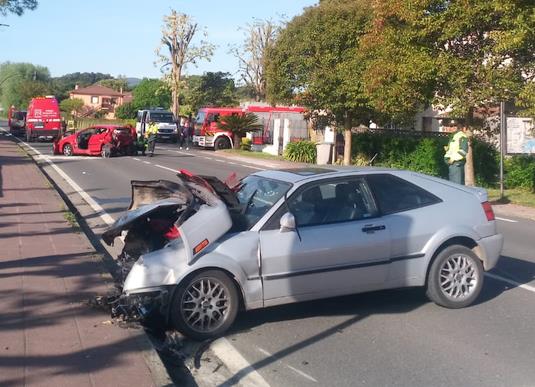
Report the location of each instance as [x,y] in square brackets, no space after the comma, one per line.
[157,369]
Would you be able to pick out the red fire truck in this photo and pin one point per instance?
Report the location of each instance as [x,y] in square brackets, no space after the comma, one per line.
[208,135]
[43,120]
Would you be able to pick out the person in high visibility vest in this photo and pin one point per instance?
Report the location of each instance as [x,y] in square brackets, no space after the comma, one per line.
[455,156]
[150,135]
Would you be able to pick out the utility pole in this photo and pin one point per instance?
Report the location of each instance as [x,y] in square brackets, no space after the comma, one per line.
[503,124]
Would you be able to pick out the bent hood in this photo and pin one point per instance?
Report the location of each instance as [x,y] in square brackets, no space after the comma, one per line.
[201,216]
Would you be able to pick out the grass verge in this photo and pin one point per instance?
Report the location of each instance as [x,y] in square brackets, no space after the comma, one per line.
[256,155]
[518,196]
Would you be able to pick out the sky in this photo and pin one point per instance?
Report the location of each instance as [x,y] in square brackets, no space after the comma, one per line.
[119,37]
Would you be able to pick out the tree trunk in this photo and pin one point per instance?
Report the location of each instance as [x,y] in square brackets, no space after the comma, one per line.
[469,175]
[237,141]
[347,141]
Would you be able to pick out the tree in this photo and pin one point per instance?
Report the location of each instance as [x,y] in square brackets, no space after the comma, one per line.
[210,89]
[459,55]
[72,106]
[61,86]
[176,51]
[239,125]
[259,38]
[126,111]
[313,63]
[151,93]
[19,82]
[16,6]
[117,84]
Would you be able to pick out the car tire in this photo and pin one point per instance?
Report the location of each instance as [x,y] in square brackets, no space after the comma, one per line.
[455,278]
[67,150]
[204,294]
[222,143]
[105,151]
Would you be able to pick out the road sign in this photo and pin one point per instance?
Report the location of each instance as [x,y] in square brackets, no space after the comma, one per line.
[520,135]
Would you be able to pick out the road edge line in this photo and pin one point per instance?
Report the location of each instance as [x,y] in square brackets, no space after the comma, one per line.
[510,282]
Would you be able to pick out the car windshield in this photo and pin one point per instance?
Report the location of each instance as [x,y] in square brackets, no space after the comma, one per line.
[161,117]
[257,195]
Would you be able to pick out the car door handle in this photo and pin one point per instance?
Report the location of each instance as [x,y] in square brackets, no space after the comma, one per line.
[373,228]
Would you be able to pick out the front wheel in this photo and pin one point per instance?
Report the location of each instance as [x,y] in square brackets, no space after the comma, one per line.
[455,278]
[205,305]
[67,150]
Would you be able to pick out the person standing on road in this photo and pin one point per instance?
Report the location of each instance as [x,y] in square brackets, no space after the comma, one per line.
[455,156]
[150,134]
[186,134]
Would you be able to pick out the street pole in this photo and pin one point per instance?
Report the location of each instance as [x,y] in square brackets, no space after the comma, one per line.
[502,145]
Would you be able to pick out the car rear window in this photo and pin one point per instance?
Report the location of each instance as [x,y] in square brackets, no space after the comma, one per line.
[394,194]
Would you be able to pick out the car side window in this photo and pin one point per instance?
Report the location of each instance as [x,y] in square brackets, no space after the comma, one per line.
[394,194]
[329,202]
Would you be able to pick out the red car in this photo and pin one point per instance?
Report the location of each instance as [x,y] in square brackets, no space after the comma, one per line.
[103,140]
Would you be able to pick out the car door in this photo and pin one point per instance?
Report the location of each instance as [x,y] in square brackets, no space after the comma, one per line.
[340,244]
[96,140]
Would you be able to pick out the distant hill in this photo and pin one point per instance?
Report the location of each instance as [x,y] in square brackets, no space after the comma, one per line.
[133,82]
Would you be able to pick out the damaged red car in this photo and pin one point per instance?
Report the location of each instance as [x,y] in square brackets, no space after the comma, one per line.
[103,140]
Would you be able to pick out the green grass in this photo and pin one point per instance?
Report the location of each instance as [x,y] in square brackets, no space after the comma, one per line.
[71,218]
[256,155]
[518,196]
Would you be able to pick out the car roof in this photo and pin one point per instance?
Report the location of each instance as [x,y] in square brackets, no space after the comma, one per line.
[107,126]
[294,175]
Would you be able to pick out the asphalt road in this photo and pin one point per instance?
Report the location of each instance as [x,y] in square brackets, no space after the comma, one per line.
[393,338]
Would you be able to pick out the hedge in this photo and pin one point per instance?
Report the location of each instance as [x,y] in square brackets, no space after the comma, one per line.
[426,155]
[301,151]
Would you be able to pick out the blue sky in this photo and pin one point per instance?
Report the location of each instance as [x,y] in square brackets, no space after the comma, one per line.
[120,36]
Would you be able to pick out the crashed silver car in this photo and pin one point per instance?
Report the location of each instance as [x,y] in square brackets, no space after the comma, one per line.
[197,250]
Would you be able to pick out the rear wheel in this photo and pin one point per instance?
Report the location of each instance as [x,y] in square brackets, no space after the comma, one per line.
[455,278]
[105,151]
[222,143]
[67,150]
[205,305]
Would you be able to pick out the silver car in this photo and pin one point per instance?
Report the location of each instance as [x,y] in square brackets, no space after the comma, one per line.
[284,236]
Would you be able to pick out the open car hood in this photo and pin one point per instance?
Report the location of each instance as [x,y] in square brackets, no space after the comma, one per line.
[197,210]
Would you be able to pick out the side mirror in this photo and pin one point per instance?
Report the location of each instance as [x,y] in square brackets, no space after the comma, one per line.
[287,222]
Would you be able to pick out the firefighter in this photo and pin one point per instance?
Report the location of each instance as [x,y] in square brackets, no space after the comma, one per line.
[150,135]
[455,155]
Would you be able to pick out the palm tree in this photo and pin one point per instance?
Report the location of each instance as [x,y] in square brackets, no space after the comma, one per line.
[239,125]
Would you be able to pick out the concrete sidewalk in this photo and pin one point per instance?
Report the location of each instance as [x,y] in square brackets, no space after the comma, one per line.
[49,335]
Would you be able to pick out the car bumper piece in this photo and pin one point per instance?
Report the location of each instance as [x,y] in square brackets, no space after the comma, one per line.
[492,247]
[139,307]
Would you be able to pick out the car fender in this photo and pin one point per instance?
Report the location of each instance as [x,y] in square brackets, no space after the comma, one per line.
[439,238]
[224,134]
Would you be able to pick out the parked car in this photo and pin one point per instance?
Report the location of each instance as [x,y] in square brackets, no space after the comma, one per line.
[103,140]
[200,250]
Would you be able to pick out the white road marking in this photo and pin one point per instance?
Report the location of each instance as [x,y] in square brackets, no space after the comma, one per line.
[146,162]
[135,158]
[237,364]
[299,372]
[507,220]
[89,200]
[166,168]
[511,282]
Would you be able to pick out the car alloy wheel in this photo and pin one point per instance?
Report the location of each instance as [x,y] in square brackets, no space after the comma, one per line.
[458,278]
[67,150]
[455,278]
[206,305]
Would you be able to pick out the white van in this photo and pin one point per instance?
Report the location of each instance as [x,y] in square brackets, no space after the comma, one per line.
[167,127]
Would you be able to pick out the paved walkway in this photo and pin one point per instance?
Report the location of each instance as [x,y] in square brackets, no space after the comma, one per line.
[49,336]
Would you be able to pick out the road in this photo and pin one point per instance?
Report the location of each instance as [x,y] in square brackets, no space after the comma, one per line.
[393,338]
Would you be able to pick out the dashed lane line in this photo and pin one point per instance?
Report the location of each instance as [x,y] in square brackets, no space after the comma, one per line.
[511,282]
[506,220]
[146,162]
[166,168]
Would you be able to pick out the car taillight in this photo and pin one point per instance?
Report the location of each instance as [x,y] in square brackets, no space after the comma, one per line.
[488,210]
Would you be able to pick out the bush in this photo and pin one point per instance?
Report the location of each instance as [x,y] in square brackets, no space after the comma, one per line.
[486,163]
[424,155]
[126,111]
[245,144]
[301,151]
[520,172]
